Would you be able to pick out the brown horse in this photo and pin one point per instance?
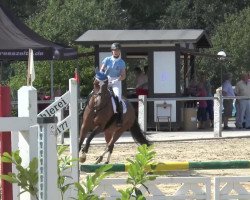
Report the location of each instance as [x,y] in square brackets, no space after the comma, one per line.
[98,116]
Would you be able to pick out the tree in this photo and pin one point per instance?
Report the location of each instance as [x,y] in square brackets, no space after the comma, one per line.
[203,14]
[63,22]
[24,8]
[199,14]
[233,37]
[144,14]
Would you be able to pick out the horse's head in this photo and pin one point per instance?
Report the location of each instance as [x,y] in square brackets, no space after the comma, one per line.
[100,92]
[100,82]
[99,86]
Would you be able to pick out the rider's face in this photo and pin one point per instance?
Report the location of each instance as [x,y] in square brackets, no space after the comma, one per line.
[116,53]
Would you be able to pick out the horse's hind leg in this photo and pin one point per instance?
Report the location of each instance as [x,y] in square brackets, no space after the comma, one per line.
[109,153]
[111,138]
[109,150]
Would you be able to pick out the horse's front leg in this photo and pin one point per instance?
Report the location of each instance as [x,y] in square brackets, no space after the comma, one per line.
[83,132]
[111,136]
[108,135]
[109,148]
[85,149]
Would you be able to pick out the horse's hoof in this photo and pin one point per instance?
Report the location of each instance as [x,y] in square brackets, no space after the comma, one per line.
[98,160]
[82,158]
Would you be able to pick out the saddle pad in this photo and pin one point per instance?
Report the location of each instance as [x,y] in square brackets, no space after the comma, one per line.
[124,106]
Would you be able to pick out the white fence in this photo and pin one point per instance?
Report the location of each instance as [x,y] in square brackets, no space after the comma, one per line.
[218,99]
[182,188]
[71,123]
[26,134]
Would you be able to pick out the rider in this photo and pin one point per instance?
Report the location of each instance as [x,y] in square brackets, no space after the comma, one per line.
[114,67]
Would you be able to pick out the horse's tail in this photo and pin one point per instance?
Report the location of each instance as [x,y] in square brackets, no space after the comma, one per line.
[138,135]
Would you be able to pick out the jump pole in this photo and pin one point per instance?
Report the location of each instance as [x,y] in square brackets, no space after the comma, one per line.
[24,132]
[176,166]
[5,140]
[20,127]
[70,123]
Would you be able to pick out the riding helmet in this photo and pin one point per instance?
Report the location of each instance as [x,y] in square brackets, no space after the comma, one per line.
[101,76]
[115,46]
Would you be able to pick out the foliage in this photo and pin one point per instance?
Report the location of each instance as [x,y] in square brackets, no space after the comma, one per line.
[199,14]
[63,71]
[26,178]
[24,8]
[233,37]
[5,72]
[138,172]
[92,181]
[64,21]
[144,14]
[63,165]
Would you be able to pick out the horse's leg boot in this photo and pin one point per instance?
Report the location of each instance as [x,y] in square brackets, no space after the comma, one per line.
[119,115]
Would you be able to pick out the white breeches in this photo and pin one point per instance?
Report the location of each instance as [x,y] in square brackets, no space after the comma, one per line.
[117,87]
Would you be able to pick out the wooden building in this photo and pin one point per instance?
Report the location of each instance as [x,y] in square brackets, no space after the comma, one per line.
[170,58]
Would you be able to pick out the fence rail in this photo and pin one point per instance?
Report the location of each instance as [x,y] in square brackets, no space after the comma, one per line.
[218,105]
[224,188]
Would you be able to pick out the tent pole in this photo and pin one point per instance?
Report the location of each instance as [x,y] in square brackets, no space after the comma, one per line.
[51,80]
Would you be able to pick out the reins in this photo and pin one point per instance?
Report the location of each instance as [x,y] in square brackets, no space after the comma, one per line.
[95,95]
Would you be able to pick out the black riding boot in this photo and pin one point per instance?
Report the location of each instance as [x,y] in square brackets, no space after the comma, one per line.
[119,114]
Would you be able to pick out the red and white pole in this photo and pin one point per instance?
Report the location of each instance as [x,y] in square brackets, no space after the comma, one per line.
[5,141]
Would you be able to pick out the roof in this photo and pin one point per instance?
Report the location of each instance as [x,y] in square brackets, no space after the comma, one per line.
[16,38]
[194,36]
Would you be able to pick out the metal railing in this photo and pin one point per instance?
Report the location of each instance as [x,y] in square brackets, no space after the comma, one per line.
[218,106]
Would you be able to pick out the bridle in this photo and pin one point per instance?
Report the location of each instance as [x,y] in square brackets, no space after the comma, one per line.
[95,95]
